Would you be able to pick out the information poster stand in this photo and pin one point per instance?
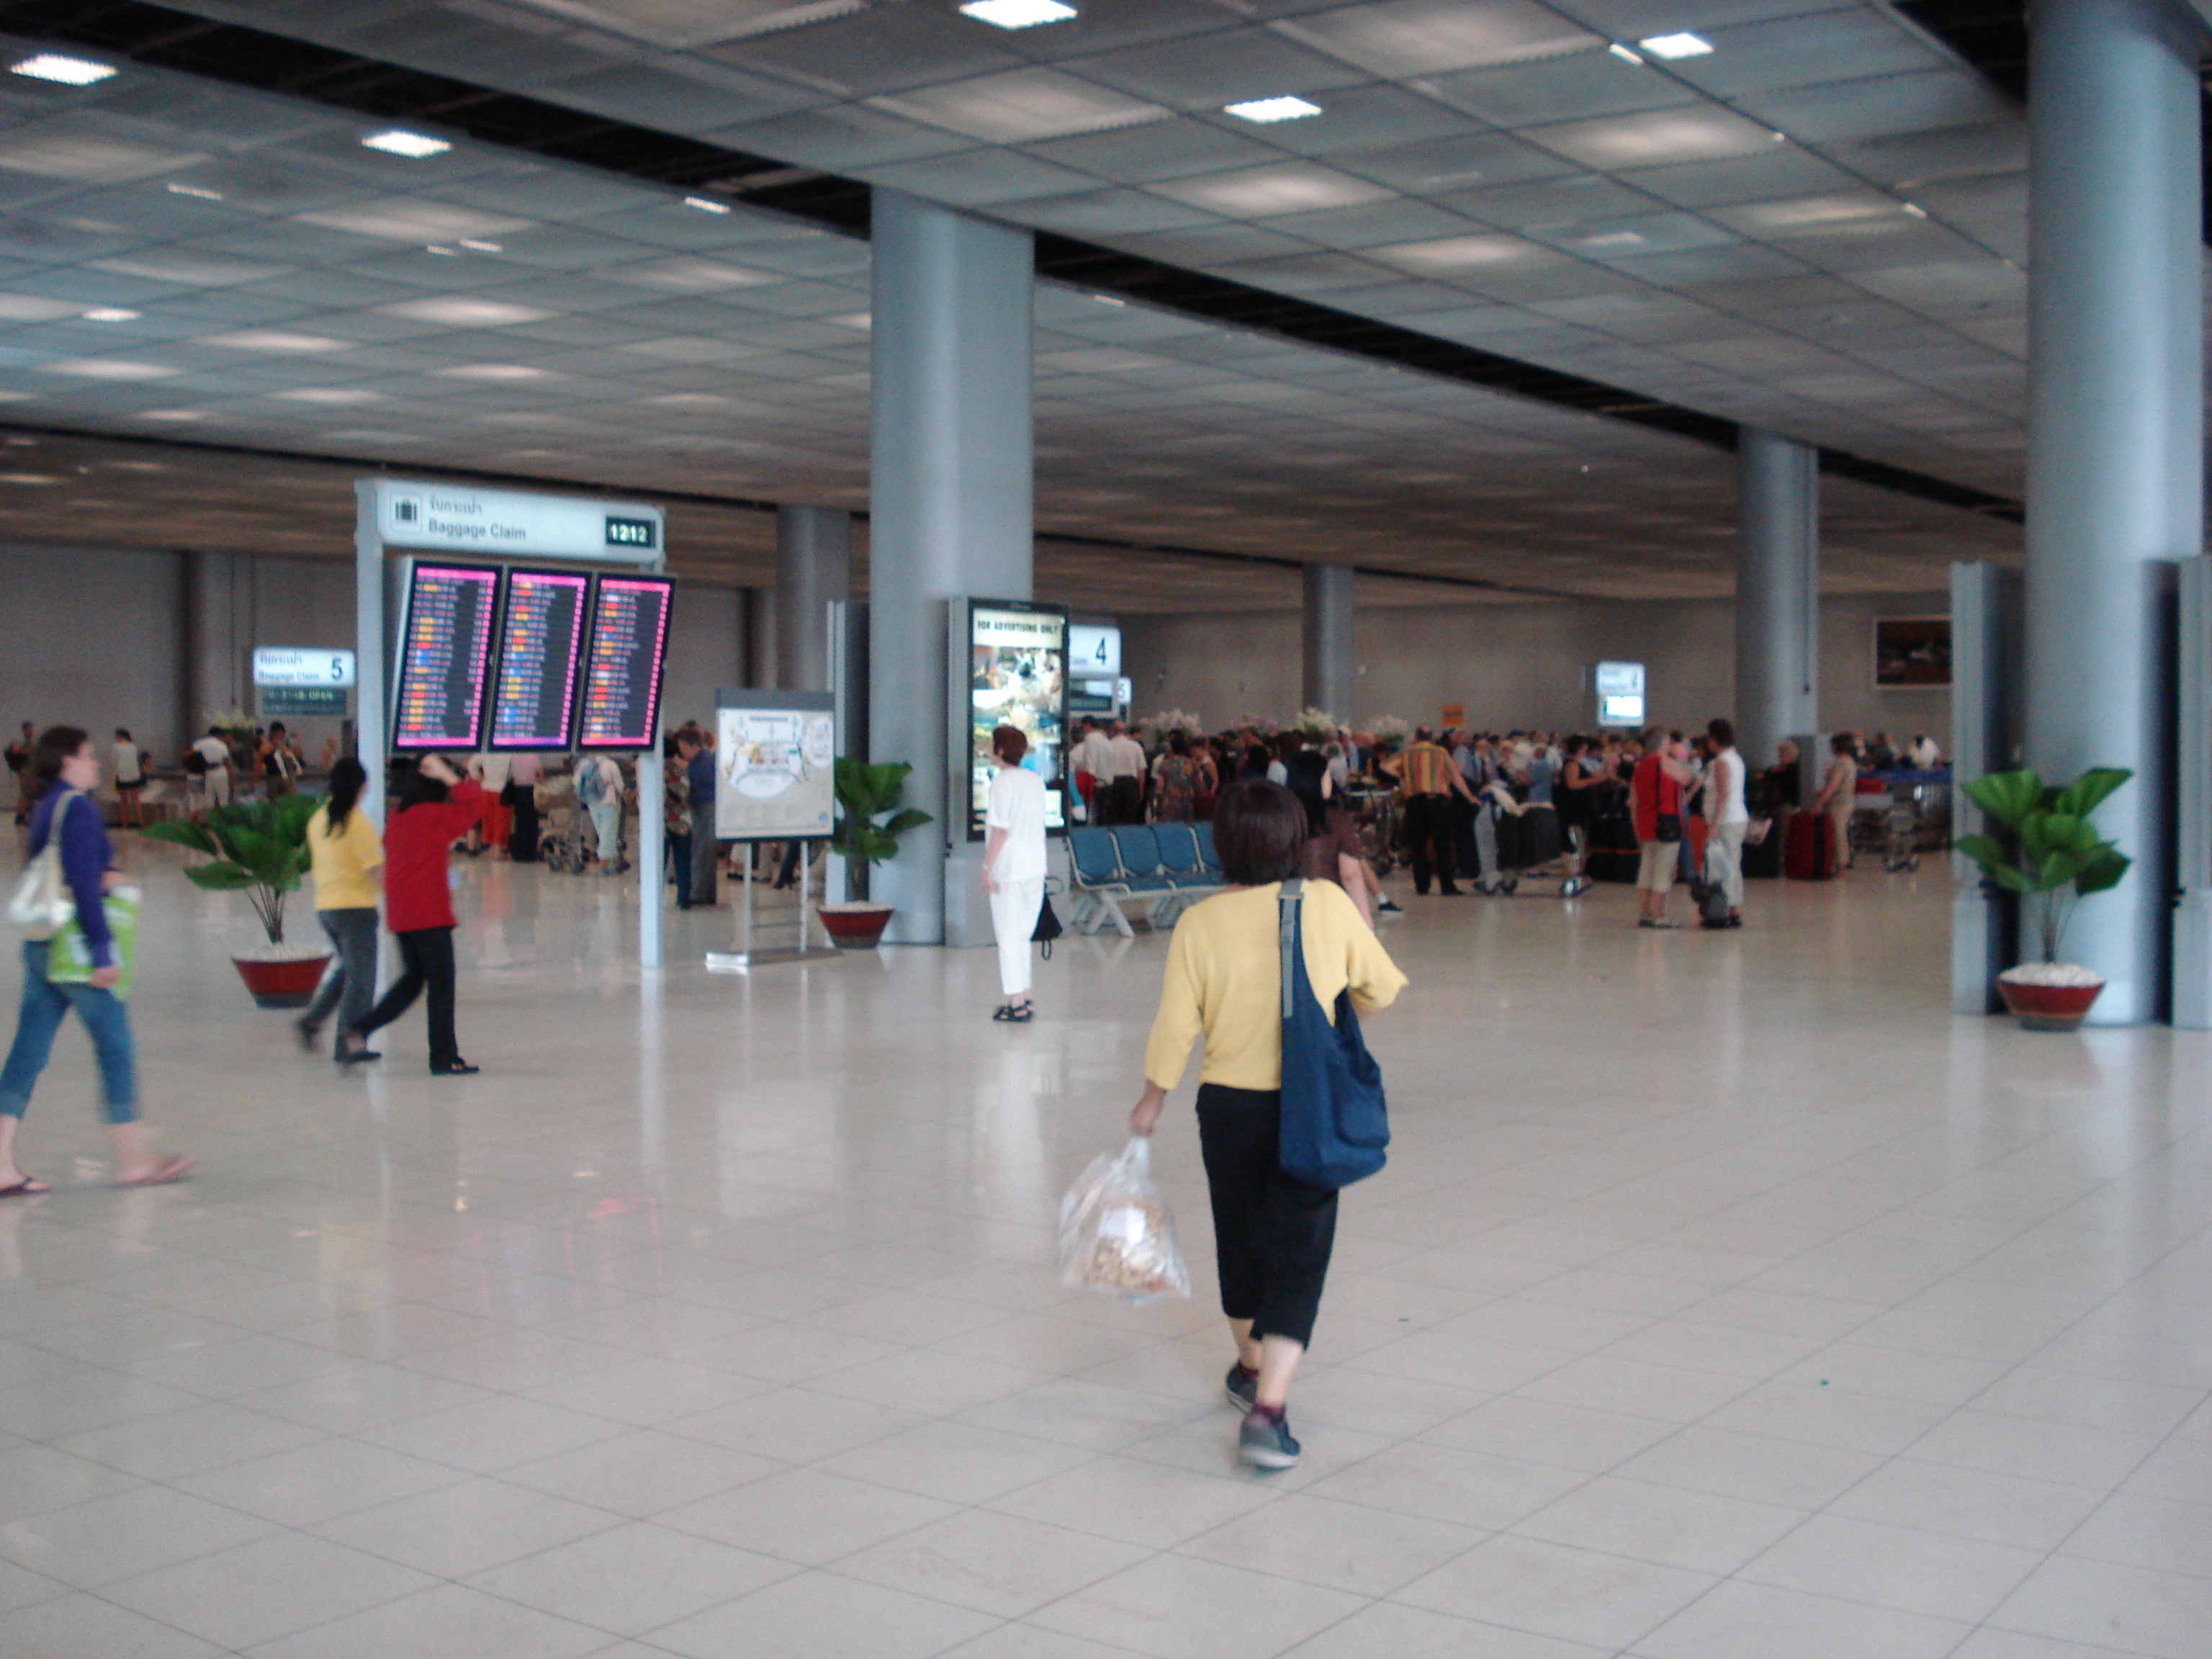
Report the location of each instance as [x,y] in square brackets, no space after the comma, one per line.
[464,525]
[775,779]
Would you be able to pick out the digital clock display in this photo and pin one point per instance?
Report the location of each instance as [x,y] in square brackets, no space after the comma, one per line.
[631,532]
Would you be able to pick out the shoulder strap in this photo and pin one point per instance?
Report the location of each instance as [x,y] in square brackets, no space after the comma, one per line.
[1287,904]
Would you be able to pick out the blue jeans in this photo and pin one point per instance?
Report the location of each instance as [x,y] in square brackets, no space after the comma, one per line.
[105,1019]
[349,985]
[679,855]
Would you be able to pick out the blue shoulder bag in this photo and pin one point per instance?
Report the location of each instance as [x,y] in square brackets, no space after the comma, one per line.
[1335,1125]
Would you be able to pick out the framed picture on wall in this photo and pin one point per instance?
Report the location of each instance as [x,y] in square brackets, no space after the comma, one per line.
[1911,653]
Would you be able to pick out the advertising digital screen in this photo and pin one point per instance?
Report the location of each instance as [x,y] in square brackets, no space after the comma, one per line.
[444,657]
[540,633]
[1620,694]
[1017,677]
[623,656]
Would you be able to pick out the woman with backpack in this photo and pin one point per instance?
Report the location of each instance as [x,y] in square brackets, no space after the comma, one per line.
[1273,1232]
[346,855]
[64,770]
[436,807]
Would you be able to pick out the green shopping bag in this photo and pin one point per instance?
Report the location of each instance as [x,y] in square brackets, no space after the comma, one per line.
[69,958]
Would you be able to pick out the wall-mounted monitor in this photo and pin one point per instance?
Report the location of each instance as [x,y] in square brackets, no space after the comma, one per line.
[1016,672]
[541,632]
[444,656]
[625,653]
[1620,694]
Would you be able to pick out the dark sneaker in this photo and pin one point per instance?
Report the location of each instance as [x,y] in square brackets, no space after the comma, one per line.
[1265,1441]
[1243,1387]
[1389,908]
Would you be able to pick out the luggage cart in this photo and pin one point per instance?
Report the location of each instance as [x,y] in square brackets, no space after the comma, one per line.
[1902,827]
[1568,869]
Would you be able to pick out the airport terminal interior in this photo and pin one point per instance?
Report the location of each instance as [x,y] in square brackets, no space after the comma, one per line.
[1624,489]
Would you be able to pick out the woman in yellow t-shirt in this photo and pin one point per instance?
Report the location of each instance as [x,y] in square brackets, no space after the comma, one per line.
[1273,1232]
[347,854]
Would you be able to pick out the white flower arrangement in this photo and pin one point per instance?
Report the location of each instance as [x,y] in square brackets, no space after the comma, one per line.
[1262,725]
[1388,728]
[1170,721]
[1315,725]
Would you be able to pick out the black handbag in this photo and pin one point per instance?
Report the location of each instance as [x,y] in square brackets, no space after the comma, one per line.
[1048,926]
[1667,826]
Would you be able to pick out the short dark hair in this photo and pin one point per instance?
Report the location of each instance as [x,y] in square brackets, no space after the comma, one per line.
[1258,830]
[55,745]
[1009,744]
[1842,742]
[1179,743]
[1721,732]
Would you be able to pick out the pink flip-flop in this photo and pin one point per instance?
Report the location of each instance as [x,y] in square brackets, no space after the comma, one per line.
[28,1187]
[171,1168]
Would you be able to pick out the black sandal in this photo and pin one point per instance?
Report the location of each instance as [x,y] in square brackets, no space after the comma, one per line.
[1021,1016]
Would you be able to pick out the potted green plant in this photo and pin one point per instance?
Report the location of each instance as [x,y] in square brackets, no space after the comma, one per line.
[2045,849]
[258,848]
[870,821]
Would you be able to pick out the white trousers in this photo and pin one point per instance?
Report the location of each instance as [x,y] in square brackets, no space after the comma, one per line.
[1014,909]
[1724,860]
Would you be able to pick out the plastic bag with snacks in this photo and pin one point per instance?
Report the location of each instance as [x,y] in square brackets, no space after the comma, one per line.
[1116,1232]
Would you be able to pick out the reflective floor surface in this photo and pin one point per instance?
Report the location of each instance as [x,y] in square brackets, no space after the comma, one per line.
[1725,1298]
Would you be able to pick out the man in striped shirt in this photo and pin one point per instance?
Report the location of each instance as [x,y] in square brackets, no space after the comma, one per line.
[1428,778]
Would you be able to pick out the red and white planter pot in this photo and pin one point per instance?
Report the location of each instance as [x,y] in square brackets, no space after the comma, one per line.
[856,925]
[2047,998]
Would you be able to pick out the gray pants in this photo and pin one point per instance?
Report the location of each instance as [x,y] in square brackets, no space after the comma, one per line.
[704,852]
[350,984]
[1724,860]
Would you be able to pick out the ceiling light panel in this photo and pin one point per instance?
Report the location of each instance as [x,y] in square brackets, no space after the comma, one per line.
[460,311]
[61,69]
[1588,84]
[1021,107]
[1265,110]
[1669,48]
[1400,37]
[415,219]
[73,151]
[1449,255]
[274,340]
[1017,13]
[400,141]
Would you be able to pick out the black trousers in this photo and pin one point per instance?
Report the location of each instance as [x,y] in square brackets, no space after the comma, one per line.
[1273,1233]
[521,799]
[427,953]
[1429,834]
[1125,801]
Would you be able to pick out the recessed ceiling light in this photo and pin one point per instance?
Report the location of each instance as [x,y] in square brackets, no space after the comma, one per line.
[1017,13]
[1916,210]
[1273,109]
[415,146]
[705,206]
[27,479]
[1677,46]
[110,315]
[483,248]
[68,71]
[196,192]
[1626,54]
[443,252]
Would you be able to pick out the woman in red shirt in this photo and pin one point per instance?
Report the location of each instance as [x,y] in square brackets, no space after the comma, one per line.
[436,808]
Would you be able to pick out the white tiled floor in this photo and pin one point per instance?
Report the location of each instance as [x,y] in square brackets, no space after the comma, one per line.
[1725,1299]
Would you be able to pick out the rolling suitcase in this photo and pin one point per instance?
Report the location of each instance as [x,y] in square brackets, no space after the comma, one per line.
[1613,854]
[1811,852]
[1763,858]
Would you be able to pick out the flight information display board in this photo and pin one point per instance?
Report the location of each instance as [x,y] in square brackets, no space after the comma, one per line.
[541,633]
[444,657]
[624,654]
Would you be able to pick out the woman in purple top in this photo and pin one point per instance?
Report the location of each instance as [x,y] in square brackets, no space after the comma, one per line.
[63,771]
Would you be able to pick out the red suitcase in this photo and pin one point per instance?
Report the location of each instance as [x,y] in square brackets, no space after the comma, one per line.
[1812,851]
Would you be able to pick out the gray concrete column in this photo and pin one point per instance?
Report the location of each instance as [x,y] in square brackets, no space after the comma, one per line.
[215,640]
[949,495]
[2115,465]
[1331,659]
[1778,592]
[813,565]
[760,640]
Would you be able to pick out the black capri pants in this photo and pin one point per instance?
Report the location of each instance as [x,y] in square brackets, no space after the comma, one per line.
[1273,1233]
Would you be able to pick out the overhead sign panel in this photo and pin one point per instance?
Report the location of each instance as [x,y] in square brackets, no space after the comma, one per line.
[624,658]
[296,665]
[1620,694]
[540,633]
[444,656]
[509,524]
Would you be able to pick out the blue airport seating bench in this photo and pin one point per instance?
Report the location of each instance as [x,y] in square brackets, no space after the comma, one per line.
[1167,867]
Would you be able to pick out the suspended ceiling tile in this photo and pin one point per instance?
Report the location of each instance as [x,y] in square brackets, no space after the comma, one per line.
[1550,201]
[981,178]
[1857,43]
[1874,108]
[1270,192]
[1633,235]
[80,153]
[1116,214]
[1373,225]
[1638,20]
[1435,165]
[883,49]
[1950,286]
[1173,149]
[839,137]
[1399,38]
[1659,138]
[1363,119]
[1696,269]
[1020,107]
[1779,170]
[1452,256]
[1588,84]
[1226,68]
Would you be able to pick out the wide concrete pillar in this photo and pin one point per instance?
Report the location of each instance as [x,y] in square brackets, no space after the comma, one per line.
[1777,592]
[813,567]
[217,624]
[1331,658]
[949,499]
[2115,467]
[760,640]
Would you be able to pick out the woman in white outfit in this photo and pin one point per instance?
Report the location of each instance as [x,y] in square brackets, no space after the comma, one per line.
[1013,866]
